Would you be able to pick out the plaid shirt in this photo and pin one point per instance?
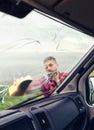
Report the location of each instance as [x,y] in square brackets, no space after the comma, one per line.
[49,86]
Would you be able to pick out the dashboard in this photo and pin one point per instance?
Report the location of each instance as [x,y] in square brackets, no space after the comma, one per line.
[53,113]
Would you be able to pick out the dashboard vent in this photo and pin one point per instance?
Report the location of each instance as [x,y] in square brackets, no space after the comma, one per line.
[43,121]
[80,105]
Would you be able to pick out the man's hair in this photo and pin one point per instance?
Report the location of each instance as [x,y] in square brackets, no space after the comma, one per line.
[49,58]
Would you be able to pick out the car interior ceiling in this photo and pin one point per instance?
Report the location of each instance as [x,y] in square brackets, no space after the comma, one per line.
[51,113]
[77,13]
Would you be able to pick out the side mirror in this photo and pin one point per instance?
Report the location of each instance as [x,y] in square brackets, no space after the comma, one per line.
[91,89]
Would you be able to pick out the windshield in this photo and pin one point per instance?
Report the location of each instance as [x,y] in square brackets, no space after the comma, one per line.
[34,52]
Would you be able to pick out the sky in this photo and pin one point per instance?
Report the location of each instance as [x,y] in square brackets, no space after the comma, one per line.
[31,29]
[24,43]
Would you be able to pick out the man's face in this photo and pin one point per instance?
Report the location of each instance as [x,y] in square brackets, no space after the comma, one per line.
[51,66]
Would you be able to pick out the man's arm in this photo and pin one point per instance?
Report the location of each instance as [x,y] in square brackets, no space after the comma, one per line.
[21,87]
[18,88]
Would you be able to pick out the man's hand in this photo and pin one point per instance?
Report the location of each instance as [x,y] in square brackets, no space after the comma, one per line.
[19,87]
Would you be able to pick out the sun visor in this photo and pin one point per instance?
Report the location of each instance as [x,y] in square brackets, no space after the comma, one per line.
[76,13]
[15,8]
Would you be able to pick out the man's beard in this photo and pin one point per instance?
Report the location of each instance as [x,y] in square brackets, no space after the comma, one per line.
[52,75]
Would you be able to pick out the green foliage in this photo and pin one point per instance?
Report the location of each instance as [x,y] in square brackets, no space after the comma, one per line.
[92,74]
[12,101]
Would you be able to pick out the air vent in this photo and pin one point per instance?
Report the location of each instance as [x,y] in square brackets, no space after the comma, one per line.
[43,121]
[80,105]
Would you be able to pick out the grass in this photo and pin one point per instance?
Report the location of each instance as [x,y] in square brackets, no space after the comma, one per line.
[92,74]
[9,102]
[12,101]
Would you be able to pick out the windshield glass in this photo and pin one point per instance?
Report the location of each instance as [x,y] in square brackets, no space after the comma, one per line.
[36,55]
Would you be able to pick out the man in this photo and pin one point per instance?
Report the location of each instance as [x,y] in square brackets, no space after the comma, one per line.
[47,86]
[55,78]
